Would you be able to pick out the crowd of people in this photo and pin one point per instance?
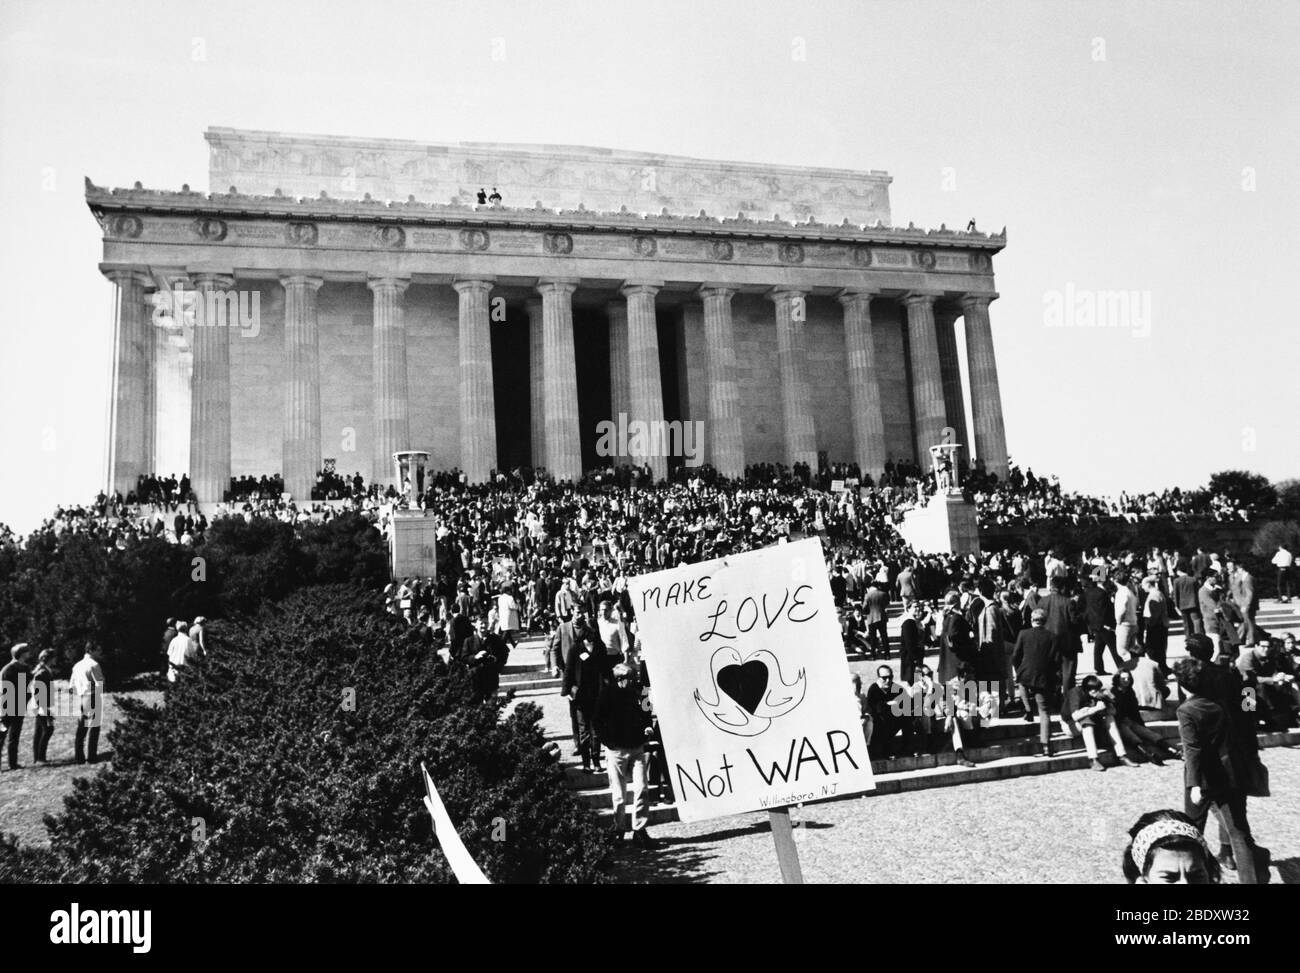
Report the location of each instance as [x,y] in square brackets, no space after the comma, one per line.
[837,499]
[1008,505]
[523,555]
[556,561]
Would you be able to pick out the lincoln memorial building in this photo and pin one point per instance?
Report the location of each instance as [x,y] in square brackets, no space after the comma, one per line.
[342,299]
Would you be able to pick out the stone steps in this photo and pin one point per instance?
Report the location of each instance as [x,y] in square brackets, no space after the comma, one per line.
[947,775]
[989,751]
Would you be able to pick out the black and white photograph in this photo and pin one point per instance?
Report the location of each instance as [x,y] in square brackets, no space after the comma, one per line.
[650,443]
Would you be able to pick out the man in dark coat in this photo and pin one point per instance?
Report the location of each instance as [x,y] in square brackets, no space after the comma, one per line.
[558,646]
[876,605]
[906,581]
[1038,672]
[1099,613]
[1208,773]
[15,690]
[1063,617]
[584,670]
[912,643]
[623,725]
[1200,564]
[884,706]
[1186,601]
[1241,583]
[956,640]
[485,653]
[839,586]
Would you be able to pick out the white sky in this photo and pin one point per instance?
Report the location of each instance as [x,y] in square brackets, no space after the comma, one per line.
[1127,173]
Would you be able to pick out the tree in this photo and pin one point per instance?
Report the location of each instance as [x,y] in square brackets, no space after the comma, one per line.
[1275,534]
[1250,490]
[1288,494]
[294,756]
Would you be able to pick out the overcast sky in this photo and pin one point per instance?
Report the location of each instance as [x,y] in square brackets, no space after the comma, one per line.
[1149,148]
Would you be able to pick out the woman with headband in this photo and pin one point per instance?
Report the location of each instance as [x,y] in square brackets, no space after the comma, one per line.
[1166,848]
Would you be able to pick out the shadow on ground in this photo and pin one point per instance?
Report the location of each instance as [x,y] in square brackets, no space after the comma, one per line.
[1288,870]
[674,861]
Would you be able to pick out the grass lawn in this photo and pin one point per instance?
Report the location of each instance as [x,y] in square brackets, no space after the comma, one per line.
[35,790]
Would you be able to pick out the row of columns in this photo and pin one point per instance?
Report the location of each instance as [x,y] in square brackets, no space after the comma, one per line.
[635,382]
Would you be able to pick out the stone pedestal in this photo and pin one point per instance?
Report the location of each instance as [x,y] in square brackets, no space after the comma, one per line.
[947,524]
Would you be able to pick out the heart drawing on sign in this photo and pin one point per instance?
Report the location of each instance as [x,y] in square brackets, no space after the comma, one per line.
[748,692]
[745,684]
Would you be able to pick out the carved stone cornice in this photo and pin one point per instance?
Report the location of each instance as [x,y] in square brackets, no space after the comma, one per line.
[119,209]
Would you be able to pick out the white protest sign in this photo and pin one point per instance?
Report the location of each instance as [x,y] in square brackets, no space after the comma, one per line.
[750,683]
[458,857]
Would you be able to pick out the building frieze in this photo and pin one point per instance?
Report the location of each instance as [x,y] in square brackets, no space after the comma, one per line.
[225,206]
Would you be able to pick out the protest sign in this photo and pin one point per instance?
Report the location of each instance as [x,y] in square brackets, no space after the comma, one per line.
[458,857]
[750,683]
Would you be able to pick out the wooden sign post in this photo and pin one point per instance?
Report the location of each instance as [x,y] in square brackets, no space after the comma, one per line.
[787,852]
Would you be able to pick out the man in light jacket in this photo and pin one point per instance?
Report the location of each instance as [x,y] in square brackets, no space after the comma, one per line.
[88,686]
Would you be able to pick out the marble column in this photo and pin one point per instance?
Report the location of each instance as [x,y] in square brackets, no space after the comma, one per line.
[180,423]
[864,389]
[927,380]
[302,445]
[796,400]
[644,383]
[162,401]
[954,403]
[134,404]
[726,435]
[392,404]
[210,392]
[536,384]
[620,382]
[560,374]
[478,416]
[986,396]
